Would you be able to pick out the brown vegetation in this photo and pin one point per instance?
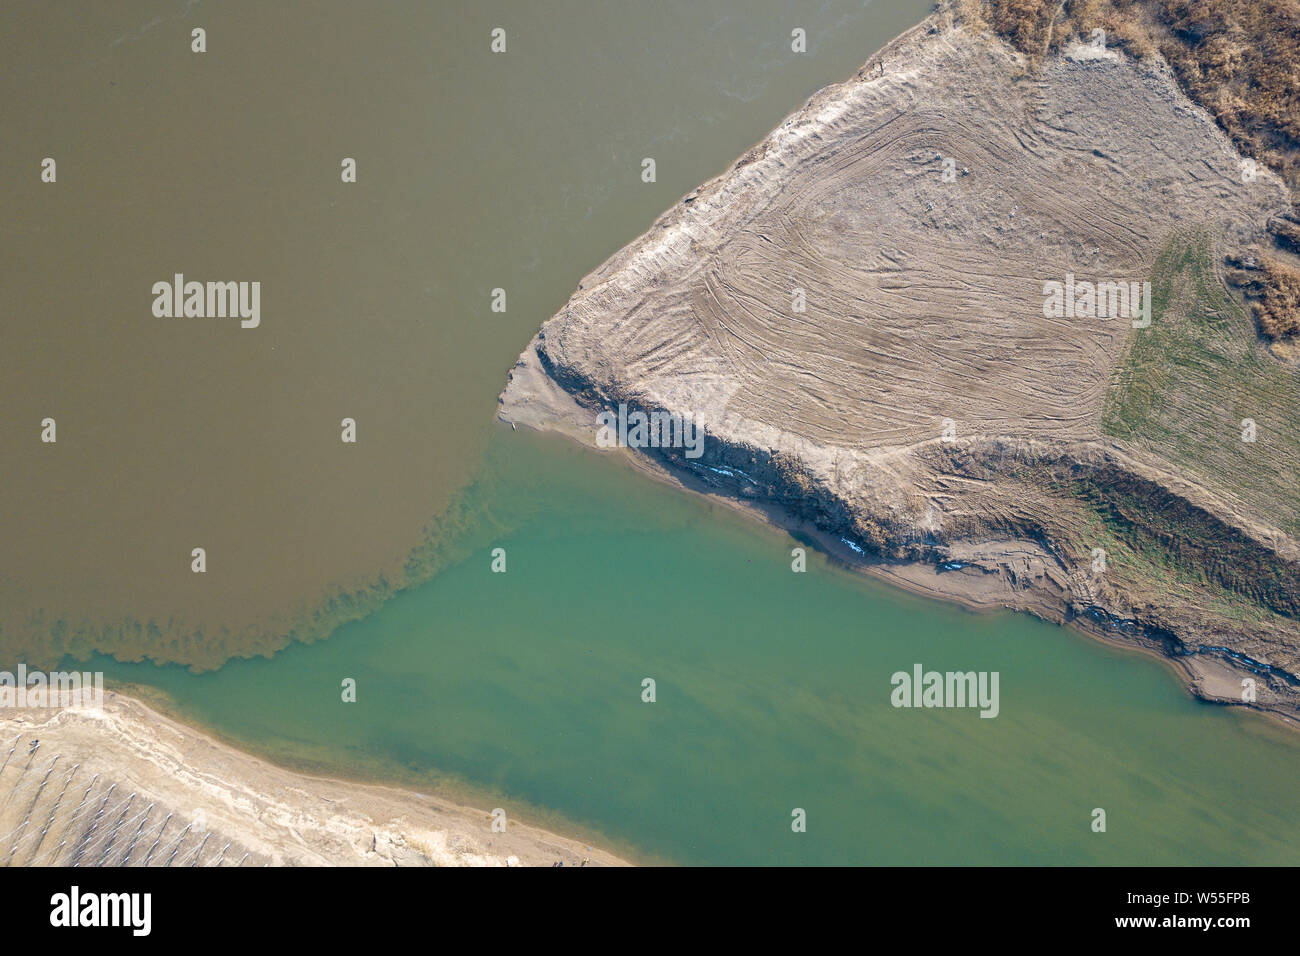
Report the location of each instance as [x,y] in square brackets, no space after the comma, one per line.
[1273,288]
[1278,310]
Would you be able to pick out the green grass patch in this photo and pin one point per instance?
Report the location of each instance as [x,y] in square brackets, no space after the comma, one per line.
[1194,375]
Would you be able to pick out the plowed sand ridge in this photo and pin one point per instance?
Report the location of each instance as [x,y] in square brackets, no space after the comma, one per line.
[924,297]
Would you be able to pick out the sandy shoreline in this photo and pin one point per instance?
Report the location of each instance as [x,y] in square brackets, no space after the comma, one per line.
[100,787]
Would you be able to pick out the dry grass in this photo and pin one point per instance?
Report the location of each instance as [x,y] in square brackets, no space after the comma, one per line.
[1278,310]
[1240,59]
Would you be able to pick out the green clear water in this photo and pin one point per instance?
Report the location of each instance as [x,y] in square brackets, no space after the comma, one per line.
[773,692]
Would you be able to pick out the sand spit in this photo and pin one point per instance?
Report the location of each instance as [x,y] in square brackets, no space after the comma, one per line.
[922,414]
[126,786]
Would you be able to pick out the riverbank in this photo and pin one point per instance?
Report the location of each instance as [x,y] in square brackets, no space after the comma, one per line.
[101,787]
[992,577]
[854,316]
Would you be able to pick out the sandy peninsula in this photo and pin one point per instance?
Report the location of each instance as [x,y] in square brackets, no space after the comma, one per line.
[123,785]
[859,315]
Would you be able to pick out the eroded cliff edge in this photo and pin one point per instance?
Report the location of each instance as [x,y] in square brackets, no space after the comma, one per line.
[854,314]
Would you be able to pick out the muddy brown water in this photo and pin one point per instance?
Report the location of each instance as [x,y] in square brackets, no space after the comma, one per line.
[475,171]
